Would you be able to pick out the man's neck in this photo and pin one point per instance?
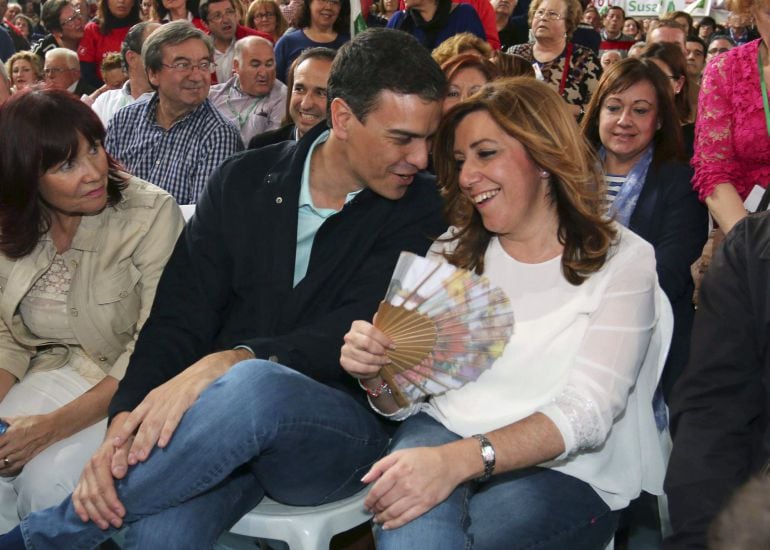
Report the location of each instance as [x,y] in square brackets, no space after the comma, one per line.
[501,20]
[612,36]
[166,114]
[138,85]
[330,182]
[222,44]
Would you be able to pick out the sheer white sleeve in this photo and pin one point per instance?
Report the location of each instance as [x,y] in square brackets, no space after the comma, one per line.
[609,358]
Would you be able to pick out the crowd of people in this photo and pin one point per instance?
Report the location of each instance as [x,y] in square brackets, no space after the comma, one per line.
[577,159]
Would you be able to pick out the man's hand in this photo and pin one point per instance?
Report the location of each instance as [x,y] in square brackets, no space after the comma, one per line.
[156,418]
[25,438]
[94,497]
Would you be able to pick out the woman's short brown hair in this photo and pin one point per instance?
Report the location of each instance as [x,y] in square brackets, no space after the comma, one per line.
[455,64]
[280,21]
[620,77]
[464,42]
[571,18]
[533,114]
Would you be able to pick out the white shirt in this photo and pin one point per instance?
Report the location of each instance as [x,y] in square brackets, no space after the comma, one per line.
[575,354]
[251,115]
[224,61]
[110,101]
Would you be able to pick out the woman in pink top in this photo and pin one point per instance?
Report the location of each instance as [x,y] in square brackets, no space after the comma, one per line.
[732,136]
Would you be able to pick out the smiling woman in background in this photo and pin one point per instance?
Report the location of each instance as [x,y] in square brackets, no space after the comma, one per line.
[632,120]
[82,246]
[324,23]
[266,16]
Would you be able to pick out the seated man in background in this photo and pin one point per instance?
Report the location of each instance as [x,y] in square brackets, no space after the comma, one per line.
[288,245]
[253,100]
[174,138]
[306,104]
[62,72]
[221,17]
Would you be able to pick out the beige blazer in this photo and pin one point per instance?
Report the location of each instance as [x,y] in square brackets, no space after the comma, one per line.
[117,257]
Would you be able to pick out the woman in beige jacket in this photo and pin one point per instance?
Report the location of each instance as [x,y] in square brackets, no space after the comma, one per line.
[82,246]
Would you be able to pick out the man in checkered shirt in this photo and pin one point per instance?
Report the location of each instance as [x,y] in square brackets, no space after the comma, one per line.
[174,138]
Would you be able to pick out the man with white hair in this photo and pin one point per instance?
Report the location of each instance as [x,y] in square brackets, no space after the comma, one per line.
[62,72]
[137,84]
[253,100]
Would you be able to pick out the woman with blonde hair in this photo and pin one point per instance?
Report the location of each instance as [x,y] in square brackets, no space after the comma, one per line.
[24,69]
[464,42]
[563,419]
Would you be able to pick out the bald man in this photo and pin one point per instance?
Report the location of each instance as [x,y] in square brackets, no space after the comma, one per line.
[253,100]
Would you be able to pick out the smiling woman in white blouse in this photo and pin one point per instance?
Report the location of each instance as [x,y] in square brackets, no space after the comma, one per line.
[547,445]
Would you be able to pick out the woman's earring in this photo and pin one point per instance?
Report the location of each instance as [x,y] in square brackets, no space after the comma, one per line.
[545,174]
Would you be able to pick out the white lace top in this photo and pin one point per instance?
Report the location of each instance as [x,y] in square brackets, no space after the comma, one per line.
[575,355]
[45,312]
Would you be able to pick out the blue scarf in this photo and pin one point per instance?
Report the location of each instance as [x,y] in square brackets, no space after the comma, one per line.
[625,202]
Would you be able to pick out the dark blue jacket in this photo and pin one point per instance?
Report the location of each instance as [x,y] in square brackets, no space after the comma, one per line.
[670,217]
[229,280]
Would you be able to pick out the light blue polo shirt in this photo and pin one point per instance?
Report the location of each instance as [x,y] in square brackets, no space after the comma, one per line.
[310,218]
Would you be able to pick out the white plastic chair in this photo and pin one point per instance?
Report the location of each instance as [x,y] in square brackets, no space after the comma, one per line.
[303,527]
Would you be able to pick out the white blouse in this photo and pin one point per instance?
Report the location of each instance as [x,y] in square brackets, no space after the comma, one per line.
[588,357]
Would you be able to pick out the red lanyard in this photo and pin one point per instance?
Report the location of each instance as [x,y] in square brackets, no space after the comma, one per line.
[567,59]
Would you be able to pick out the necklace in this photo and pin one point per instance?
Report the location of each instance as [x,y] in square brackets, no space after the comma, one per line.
[241,117]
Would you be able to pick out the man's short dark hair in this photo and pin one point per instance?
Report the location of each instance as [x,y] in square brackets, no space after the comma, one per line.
[51,15]
[699,40]
[171,34]
[133,41]
[382,59]
[617,8]
[203,8]
[722,37]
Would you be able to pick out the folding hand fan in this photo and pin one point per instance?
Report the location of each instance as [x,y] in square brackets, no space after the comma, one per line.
[448,325]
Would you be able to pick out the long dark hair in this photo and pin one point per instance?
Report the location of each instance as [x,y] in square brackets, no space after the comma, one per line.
[107,21]
[535,115]
[41,129]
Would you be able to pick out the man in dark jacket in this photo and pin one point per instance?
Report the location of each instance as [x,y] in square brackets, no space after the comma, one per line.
[719,406]
[235,384]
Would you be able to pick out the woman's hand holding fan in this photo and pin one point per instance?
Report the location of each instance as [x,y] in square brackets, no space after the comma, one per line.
[448,326]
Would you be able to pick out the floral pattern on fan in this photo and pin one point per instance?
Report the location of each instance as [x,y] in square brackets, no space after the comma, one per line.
[448,325]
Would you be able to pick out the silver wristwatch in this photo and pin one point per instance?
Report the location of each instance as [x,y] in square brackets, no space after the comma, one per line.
[487,455]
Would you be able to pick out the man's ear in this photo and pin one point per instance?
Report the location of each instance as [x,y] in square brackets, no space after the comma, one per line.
[342,117]
[152,78]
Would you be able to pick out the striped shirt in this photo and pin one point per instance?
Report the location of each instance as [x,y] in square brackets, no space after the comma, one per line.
[180,159]
[613,185]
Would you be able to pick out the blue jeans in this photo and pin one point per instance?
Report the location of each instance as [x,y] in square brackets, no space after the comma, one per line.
[262,428]
[528,508]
